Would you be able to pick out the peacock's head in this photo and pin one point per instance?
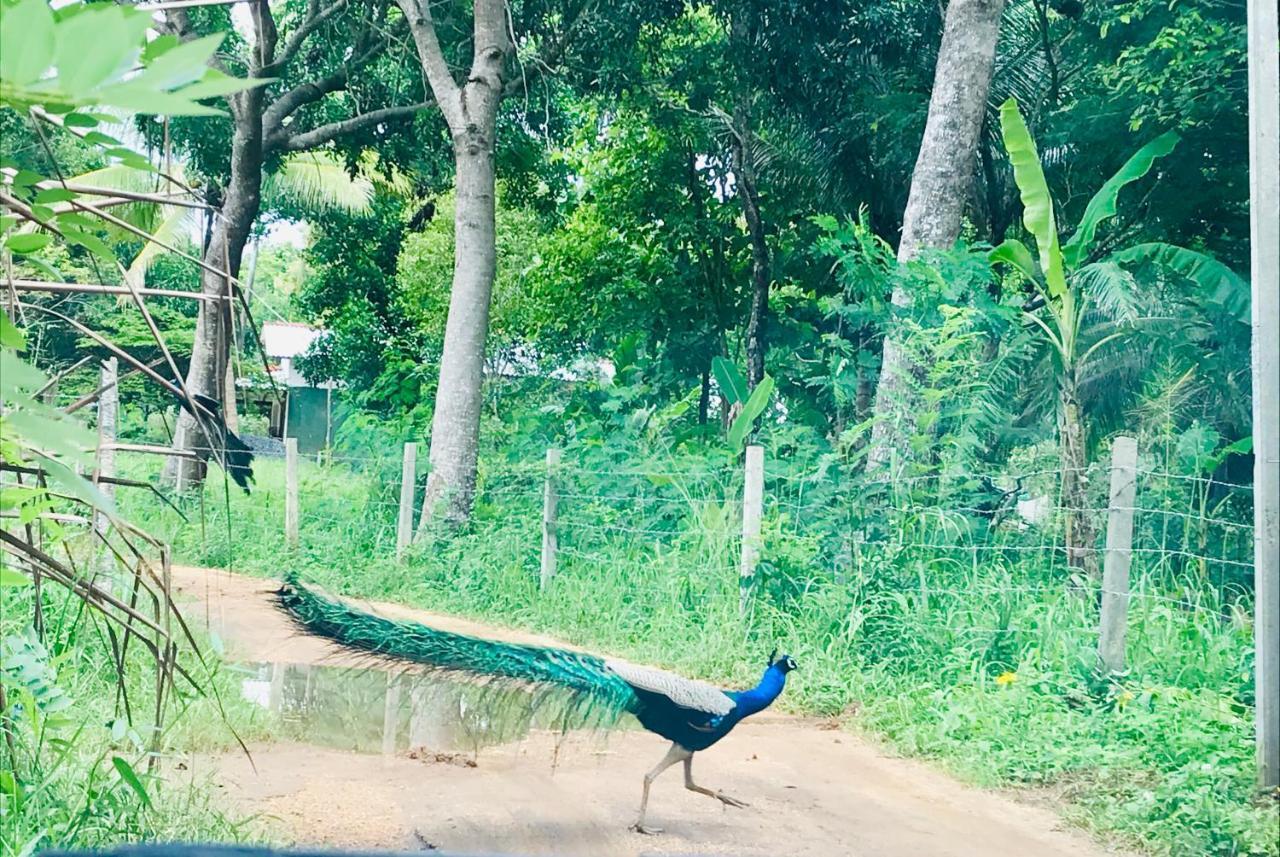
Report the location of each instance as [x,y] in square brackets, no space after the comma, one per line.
[786,663]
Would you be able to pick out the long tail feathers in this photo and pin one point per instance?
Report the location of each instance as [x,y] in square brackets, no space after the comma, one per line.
[587,691]
[234,454]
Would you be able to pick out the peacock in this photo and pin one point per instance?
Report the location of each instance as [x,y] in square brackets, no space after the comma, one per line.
[231,452]
[690,714]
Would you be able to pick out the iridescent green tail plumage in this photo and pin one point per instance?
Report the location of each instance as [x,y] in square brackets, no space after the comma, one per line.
[588,690]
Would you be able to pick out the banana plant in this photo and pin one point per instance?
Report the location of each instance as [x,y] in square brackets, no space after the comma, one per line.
[736,391]
[1088,303]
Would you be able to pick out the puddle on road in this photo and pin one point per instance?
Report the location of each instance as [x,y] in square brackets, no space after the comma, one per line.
[373,711]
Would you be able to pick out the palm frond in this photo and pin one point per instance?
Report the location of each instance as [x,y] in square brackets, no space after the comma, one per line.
[169,227]
[1112,289]
[1218,285]
[318,181]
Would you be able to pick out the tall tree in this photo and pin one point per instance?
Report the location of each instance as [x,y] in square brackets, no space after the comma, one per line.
[470,105]
[307,107]
[471,113]
[939,192]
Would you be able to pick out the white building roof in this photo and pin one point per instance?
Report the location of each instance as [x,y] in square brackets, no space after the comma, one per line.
[285,340]
[288,338]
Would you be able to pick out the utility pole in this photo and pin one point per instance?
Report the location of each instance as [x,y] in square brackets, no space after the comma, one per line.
[1264,218]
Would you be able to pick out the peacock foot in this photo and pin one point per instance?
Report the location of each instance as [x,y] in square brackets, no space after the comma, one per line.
[731,801]
[645,829]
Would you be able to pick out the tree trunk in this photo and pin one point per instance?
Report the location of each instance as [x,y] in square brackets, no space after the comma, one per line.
[455,425]
[471,112]
[939,190]
[211,345]
[1072,438]
[744,170]
[743,24]
[230,413]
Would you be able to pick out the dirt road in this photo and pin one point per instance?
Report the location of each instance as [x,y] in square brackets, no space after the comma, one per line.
[813,791]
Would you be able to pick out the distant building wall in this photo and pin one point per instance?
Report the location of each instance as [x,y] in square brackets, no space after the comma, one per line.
[313,416]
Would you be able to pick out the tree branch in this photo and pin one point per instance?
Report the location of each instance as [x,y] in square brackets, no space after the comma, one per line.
[304,140]
[546,61]
[287,103]
[264,24]
[314,18]
[439,78]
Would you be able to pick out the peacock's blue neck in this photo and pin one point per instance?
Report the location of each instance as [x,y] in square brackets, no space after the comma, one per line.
[763,694]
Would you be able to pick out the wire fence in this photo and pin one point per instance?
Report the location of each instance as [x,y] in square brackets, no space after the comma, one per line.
[977,562]
[1188,532]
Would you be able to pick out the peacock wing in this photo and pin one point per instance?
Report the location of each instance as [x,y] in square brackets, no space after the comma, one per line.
[682,692]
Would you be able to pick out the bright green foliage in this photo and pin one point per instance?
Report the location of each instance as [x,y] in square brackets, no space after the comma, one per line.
[92,50]
[425,274]
[752,408]
[1103,204]
[1037,205]
[923,604]
[62,681]
[31,431]
[1094,303]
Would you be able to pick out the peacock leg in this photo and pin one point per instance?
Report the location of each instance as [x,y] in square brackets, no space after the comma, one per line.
[675,754]
[703,790]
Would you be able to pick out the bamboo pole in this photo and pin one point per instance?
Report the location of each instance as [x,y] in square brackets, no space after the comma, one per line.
[98,289]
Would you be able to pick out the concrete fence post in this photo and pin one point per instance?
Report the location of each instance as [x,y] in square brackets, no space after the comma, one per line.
[550,502]
[291,491]
[408,477]
[752,511]
[1114,618]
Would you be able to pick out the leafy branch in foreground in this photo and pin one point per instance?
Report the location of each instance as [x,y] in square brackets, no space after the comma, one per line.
[69,70]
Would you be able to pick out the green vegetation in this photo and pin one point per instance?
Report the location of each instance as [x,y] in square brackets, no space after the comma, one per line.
[647,234]
[98,696]
[979,658]
[78,772]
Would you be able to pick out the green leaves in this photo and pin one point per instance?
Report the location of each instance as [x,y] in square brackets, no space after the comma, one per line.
[26,42]
[131,779]
[25,666]
[1013,252]
[1037,214]
[33,431]
[751,409]
[11,578]
[88,54]
[1219,285]
[96,44]
[28,242]
[319,181]
[1103,204]
[180,63]
[733,386]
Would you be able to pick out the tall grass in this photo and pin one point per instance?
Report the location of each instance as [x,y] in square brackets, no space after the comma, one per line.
[81,766]
[983,659]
